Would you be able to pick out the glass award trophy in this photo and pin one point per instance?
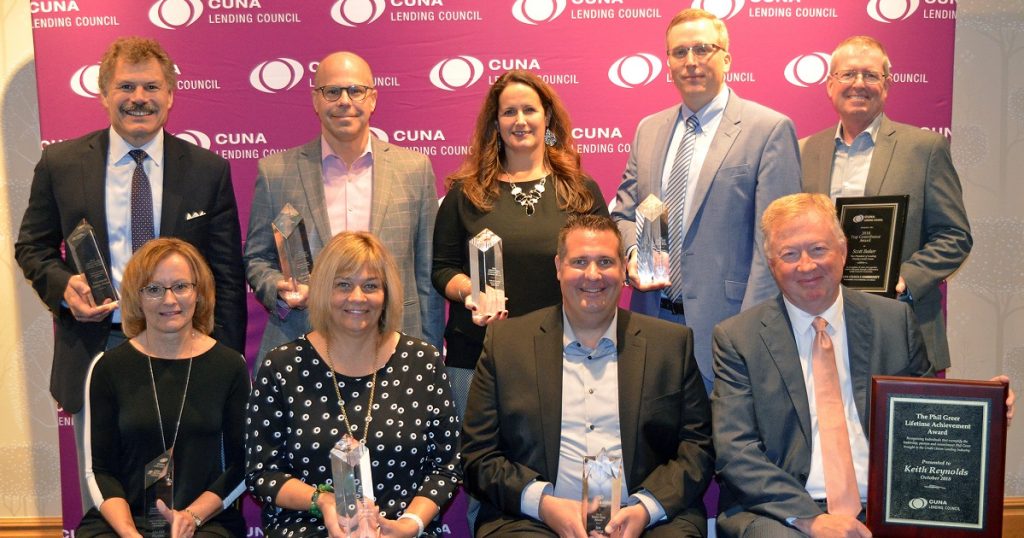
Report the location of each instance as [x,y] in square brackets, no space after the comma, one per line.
[293,246]
[159,485]
[602,491]
[353,488]
[652,241]
[85,252]
[487,273]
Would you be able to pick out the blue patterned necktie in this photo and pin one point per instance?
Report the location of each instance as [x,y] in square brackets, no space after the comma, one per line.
[675,197]
[142,202]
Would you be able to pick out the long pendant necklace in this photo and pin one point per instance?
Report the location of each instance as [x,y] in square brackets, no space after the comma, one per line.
[184,395]
[341,402]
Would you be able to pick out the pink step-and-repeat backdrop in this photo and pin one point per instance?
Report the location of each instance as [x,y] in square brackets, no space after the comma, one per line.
[246,69]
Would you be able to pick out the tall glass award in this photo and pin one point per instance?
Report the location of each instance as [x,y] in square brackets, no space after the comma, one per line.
[293,246]
[85,252]
[652,241]
[353,488]
[158,482]
[487,273]
[602,491]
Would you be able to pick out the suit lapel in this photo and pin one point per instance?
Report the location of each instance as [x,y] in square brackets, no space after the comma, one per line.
[817,162]
[725,136]
[94,183]
[175,186]
[777,335]
[859,343]
[881,157]
[632,362]
[381,184]
[311,178]
[662,137]
[547,355]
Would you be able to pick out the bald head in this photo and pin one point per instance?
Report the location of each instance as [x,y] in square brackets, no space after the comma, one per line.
[348,104]
[344,64]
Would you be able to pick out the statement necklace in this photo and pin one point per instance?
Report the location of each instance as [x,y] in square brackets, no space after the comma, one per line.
[529,198]
[184,395]
[341,402]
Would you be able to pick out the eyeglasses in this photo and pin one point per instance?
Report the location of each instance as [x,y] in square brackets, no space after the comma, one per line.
[869,77]
[356,92]
[155,292]
[701,51]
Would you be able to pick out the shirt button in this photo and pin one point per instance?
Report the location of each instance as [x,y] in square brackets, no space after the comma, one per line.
[591,427]
[591,391]
[590,358]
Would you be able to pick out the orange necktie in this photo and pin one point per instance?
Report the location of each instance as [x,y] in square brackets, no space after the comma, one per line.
[837,458]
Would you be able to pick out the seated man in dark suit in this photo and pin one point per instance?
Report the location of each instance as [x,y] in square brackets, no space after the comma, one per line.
[566,382]
[792,379]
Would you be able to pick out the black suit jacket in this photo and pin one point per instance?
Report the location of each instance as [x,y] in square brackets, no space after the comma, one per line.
[69,185]
[762,424]
[512,429]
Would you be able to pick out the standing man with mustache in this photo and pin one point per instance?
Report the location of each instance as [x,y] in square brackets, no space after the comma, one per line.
[345,179]
[132,182]
[717,161]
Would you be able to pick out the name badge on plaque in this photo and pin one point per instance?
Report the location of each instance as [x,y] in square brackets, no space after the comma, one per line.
[293,246]
[353,488]
[85,252]
[874,227]
[652,241]
[159,485]
[602,491]
[487,273]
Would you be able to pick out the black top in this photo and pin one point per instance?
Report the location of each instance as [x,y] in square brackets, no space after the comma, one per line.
[121,419]
[294,420]
[529,245]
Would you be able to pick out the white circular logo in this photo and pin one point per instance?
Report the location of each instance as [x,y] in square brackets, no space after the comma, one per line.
[86,81]
[858,218]
[639,69]
[723,9]
[174,14]
[455,73]
[198,138]
[917,503]
[354,13]
[277,75]
[891,10]
[380,134]
[808,69]
[537,11]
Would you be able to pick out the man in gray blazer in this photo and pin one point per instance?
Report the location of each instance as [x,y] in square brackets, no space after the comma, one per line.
[566,381]
[743,156]
[869,155]
[345,180]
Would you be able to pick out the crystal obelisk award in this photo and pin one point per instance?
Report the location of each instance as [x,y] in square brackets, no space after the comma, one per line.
[158,482]
[487,273]
[652,241]
[85,252]
[602,491]
[353,488]
[293,246]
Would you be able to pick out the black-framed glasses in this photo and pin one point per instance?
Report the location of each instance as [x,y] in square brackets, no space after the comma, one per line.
[356,92]
[701,51]
[155,291]
[869,77]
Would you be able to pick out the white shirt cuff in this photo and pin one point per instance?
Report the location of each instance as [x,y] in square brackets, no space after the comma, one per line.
[529,501]
[652,505]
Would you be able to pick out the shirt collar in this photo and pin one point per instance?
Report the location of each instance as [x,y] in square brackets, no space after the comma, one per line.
[801,321]
[871,132]
[710,111]
[569,336]
[326,151]
[119,148]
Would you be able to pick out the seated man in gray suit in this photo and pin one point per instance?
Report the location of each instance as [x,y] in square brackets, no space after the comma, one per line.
[792,379]
[345,179]
[567,381]
[867,154]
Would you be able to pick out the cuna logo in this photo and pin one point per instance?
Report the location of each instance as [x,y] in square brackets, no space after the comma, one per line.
[86,81]
[455,73]
[891,10]
[808,69]
[537,11]
[352,13]
[198,138]
[380,134]
[723,9]
[639,69]
[276,75]
[174,14]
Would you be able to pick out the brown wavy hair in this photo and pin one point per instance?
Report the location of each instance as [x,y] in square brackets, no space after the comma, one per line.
[485,163]
[140,270]
[135,50]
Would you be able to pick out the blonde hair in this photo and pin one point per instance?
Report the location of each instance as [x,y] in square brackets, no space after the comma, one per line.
[861,41]
[695,14]
[793,206]
[140,270]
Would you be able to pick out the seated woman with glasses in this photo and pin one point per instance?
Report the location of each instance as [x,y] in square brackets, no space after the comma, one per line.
[354,379]
[166,407]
